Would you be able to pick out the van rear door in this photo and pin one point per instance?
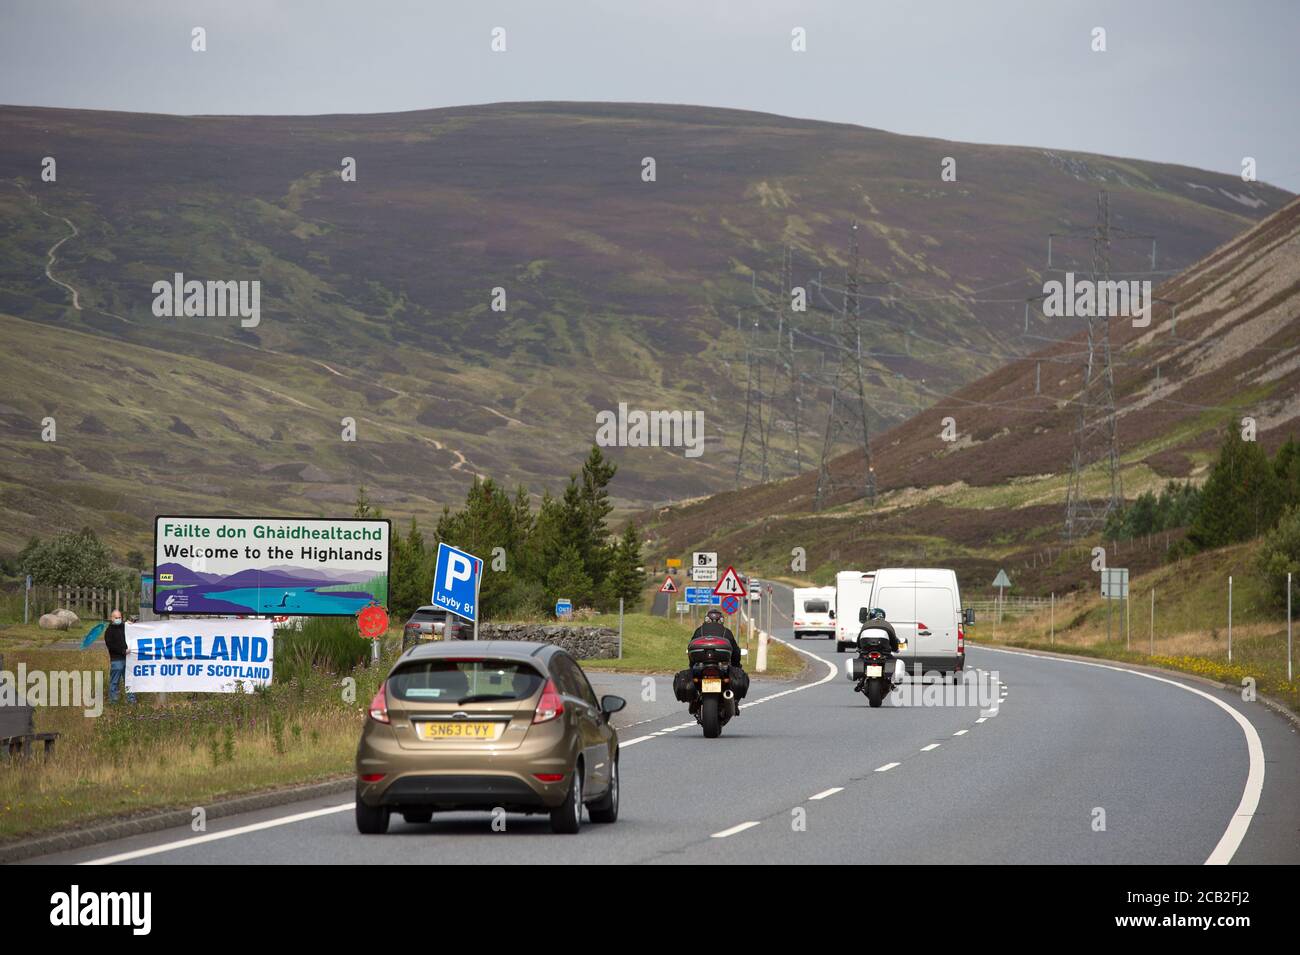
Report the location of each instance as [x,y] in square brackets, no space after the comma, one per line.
[936,626]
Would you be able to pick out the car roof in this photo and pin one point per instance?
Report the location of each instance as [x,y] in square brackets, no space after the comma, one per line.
[497,649]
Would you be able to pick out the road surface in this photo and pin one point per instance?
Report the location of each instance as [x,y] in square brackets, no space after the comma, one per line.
[1080,764]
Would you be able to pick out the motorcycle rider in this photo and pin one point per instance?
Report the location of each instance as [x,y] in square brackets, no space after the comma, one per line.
[714,627]
[876,621]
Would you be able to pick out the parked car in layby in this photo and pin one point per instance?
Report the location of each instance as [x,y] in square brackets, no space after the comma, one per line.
[486,724]
[433,624]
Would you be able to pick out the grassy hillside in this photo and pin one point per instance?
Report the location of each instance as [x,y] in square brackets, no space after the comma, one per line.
[376,293]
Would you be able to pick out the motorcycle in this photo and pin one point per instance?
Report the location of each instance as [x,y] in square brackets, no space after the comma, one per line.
[875,668]
[708,683]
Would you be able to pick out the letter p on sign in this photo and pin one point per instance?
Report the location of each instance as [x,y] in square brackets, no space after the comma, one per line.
[458,568]
[455,581]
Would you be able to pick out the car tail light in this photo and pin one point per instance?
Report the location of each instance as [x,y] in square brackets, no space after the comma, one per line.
[371,777]
[379,705]
[961,639]
[798,623]
[550,705]
[549,777]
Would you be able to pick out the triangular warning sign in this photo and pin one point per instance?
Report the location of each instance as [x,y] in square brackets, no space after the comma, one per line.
[730,585]
[669,585]
[1002,580]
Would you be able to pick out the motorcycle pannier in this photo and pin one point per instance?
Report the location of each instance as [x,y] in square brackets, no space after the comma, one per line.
[684,686]
[739,682]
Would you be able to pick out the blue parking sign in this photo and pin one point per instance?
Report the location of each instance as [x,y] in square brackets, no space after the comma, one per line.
[456,580]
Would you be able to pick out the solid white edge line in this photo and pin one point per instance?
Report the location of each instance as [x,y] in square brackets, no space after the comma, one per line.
[214,836]
[1232,837]
[828,792]
[733,830]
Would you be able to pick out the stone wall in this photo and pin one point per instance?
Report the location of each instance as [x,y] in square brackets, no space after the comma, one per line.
[585,643]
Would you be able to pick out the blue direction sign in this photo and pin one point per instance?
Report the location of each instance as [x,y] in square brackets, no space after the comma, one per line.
[456,580]
[563,608]
[702,595]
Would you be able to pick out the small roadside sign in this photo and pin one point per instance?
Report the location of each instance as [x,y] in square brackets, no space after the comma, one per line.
[730,604]
[730,585]
[701,596]
[682,607]
[563,608]
[1002,580]
[704,574]
[705,559]
[669,586]
[456,580]
[1114,583]
[674,562]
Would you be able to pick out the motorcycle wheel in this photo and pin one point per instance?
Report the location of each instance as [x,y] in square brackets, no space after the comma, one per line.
[876,692]
[710,719]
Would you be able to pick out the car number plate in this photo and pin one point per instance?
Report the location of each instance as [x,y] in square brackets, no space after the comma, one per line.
[711,686]
[875,671]
[455,729]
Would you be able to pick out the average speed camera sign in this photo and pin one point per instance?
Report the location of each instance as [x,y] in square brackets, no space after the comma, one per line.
[705,558]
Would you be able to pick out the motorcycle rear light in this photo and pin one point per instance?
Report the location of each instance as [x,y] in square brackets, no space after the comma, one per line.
[550,705]
[371,777]
[379,705]
[549,777]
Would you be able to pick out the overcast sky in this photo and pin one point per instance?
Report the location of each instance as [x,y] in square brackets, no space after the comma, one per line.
[1188,81]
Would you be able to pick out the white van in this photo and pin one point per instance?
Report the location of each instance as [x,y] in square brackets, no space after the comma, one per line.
[852,593]
[813,615]
[924,606]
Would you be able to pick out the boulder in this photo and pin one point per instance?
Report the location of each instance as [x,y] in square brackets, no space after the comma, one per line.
[52,621]
[69,616]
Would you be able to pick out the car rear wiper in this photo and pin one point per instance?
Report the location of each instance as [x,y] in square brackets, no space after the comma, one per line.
[480,697]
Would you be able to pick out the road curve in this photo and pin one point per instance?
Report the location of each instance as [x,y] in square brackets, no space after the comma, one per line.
[1080,763]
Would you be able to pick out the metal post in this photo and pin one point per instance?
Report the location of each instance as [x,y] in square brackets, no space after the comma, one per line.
[28,586]
[1128,622]
[1288,627]
[620,628]
[1230,618]
[478,611]
[1052,638]
[1153,622]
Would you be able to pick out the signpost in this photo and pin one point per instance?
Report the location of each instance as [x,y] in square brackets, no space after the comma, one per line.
[1114,586]
[669,586]
[730,585]
[701,596]
[704,566]
[1001,581]
[456,579]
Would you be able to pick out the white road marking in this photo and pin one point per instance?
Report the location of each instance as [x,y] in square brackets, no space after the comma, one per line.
[961,733]
[1232,837]
[828,792]
[733,830]
[926,749]
[887,767]
[981,719]
[214,836]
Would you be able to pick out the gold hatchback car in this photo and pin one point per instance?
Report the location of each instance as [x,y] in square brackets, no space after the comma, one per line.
[491,724]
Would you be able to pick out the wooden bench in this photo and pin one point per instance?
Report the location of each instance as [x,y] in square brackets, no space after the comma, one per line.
[18,732]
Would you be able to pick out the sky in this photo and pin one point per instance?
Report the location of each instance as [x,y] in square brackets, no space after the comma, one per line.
[1188,81]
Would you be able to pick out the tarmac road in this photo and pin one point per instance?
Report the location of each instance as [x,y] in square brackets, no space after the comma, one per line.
[1066,762]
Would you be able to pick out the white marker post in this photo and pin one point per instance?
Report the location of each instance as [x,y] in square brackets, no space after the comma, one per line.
[1230,618]
[1288,627]
[1152,651]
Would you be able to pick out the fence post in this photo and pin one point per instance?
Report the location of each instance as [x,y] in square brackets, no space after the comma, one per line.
[1230,618]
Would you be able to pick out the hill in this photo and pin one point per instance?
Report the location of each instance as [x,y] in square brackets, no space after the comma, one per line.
[376,294]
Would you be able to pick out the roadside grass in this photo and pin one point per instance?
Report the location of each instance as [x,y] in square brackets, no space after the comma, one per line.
[653,644]
[1190,631]
[193,748]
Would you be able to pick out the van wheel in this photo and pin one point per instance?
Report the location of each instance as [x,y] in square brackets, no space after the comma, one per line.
[605,809]
[371,821]
[567,816]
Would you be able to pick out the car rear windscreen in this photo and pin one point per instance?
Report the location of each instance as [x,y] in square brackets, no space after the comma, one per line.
[464,681]
[816,606]
[423,616]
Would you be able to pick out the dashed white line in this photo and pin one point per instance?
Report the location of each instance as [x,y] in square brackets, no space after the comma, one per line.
[961,733]
[926,749]
[828,792]
[887,767]
[981,719]
[733,830]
